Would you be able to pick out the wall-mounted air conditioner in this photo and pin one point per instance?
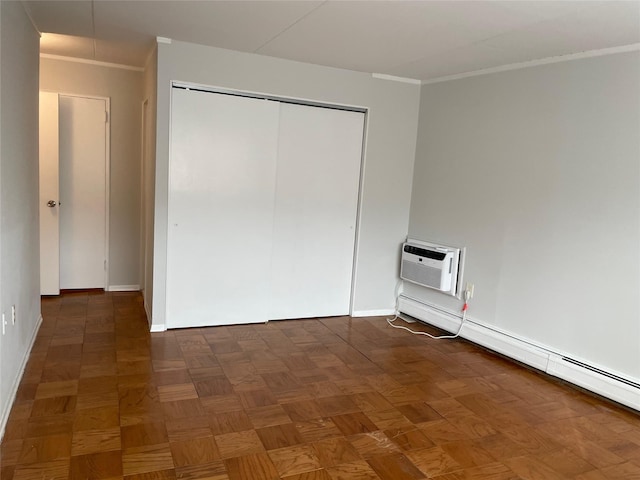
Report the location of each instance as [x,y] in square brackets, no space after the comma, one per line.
[430,265]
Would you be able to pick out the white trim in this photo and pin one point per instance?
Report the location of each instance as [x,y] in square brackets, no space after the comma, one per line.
[123,288]
[357,237]
[536,356]
[393,78]
[4,415]
[534,63]
[373,313]
[30,17]
[158,327]
[147,311]
[164,40]
[148,58]
[107,189]
[143,220]
[91,62]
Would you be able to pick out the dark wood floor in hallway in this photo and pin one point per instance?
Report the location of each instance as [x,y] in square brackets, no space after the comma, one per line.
[319,399]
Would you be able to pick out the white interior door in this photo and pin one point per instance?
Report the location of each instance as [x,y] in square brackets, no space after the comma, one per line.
[221,194]
[83,192]
[319,158]
[49,209]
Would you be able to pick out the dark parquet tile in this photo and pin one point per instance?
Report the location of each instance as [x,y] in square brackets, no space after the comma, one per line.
[320,399]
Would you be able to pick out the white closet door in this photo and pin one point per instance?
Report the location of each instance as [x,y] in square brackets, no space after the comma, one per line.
[221,194]
[319,157]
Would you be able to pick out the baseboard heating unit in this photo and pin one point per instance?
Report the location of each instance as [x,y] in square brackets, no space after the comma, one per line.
[608,384]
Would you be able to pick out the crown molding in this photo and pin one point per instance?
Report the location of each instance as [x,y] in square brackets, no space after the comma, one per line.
[393,78]
[91,62]
[534,63]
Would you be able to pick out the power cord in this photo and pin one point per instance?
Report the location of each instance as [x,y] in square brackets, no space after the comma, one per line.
[467,295]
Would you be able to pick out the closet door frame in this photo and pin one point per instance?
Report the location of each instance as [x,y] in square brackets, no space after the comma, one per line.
[311,103]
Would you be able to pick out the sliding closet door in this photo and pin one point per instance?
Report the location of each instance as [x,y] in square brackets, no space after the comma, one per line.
[221,193]
[319,157]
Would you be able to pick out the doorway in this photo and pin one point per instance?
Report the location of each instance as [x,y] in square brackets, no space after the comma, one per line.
[74,186]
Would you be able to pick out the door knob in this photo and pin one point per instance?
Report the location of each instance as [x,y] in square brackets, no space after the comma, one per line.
[51,203]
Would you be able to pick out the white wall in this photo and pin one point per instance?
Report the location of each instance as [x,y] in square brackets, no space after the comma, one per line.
[124,88]
[537,173]
[389,150]
[19,248]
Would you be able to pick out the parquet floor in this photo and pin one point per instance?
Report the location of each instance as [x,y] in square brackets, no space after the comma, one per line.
[326,399]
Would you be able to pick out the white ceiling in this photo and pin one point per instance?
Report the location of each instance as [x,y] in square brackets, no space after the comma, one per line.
[415,39]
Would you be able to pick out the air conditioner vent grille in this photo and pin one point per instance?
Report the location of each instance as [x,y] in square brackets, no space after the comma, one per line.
[421,274]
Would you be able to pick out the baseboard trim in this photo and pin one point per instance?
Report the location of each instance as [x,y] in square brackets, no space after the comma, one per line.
[373,313]
[14,388]
[536,356]
[147,311]
[160,327]
[123,288]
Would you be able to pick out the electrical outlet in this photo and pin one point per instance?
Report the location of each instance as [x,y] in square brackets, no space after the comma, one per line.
[469,289]
[4,324]
[13,314]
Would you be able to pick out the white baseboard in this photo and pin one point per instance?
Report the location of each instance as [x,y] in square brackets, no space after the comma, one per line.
[123,288]
[373,313]
[147,311]
[161,327]
[539,357]
[4,417]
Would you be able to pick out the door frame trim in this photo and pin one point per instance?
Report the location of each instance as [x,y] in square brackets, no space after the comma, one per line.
[107,175]
[143,207]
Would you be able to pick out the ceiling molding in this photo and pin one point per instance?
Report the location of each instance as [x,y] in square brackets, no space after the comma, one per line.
[153,51]
[91,62]
[393,78]
[534,63]
[30,17]
[430,41]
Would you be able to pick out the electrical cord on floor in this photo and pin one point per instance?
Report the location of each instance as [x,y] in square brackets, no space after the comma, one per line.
[435,337]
